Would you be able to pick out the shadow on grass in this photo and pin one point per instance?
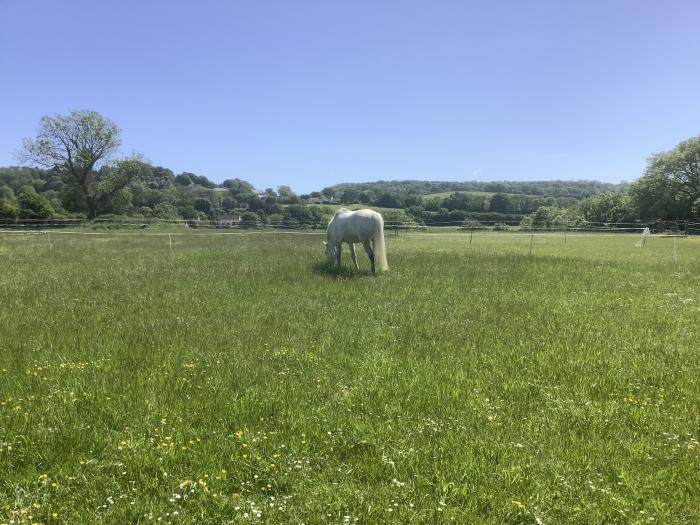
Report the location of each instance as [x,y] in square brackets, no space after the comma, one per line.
[344,272]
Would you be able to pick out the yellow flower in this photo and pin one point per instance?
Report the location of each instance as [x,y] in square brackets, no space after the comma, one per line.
[519,504]
[43,476]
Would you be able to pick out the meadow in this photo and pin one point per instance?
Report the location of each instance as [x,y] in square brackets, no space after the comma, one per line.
[237,379]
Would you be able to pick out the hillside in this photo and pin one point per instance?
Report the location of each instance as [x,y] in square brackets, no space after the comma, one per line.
[559,188]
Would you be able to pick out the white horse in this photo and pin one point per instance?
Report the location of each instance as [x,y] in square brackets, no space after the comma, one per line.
[356,226]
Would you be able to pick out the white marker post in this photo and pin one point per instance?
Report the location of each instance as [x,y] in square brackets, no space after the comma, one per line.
[646,232]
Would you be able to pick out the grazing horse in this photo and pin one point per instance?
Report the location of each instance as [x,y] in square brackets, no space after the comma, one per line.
[356,226]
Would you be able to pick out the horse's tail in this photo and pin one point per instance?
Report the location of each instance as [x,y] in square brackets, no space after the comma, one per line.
[378,242]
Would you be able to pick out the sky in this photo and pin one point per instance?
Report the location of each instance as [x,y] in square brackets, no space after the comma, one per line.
[314,93]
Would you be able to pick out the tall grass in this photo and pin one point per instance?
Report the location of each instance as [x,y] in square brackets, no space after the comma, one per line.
[237,379]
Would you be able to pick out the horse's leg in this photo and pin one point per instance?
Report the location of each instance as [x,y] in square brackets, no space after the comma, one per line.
[353,255]
[338,248]
[370,254]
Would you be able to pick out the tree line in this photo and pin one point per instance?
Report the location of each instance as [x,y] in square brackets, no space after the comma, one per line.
[74,174]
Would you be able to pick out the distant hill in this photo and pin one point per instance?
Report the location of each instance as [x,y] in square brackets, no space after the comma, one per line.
[577,189]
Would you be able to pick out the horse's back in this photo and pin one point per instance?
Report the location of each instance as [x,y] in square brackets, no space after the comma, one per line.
[353,226]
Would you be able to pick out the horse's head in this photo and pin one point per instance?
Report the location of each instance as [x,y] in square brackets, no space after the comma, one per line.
[330,252]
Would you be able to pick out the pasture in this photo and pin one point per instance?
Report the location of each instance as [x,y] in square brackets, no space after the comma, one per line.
[236,379]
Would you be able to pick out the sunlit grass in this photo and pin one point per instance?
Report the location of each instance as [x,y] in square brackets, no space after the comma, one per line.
[235,378]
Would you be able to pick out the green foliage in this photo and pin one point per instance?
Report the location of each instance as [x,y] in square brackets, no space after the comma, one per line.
[75,143]
[608,207]
[203,205]
[33,206]
[550,217]
[239,187]
[183,179]
[671,183]
[403,188]
[228,203]
[397,217]
[167,211]
[471,224]
[9,209]
[76,146]
[669,191]
[274,219]
[387,200]
[306,216]
[15,177]
[6,192]
[250,219]
[119,202]
[500,203]
[27,188]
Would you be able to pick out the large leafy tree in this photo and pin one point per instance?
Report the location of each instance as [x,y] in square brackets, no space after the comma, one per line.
[78,145]
[671,183]
[607,207]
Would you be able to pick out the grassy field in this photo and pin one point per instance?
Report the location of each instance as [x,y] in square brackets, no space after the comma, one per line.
[235,379]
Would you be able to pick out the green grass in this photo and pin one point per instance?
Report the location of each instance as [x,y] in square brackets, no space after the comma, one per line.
[237,374]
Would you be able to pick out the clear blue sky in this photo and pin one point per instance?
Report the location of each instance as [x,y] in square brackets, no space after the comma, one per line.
[312,93]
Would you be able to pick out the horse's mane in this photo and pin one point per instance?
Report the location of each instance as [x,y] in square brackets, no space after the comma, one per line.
[340,210]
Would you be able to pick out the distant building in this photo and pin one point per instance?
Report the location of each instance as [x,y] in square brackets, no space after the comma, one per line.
[228,218]
[321,200]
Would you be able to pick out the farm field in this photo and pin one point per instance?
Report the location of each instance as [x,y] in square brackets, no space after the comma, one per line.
[236,379]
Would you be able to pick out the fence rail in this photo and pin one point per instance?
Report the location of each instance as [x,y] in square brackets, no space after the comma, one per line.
[683,227]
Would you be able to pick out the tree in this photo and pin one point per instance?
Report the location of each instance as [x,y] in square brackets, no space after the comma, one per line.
[553,217]
[387,200]
[111,184]
[350,196]
[239,186]
[33,206]
[6,192]
[203,205]
[607,207]
[75,145]
[183,179]
[500,202]
[329,193]
[228,203]
[670,184]
[160,178]
[201,180]
[286,195]
[250,219]
[8,208]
